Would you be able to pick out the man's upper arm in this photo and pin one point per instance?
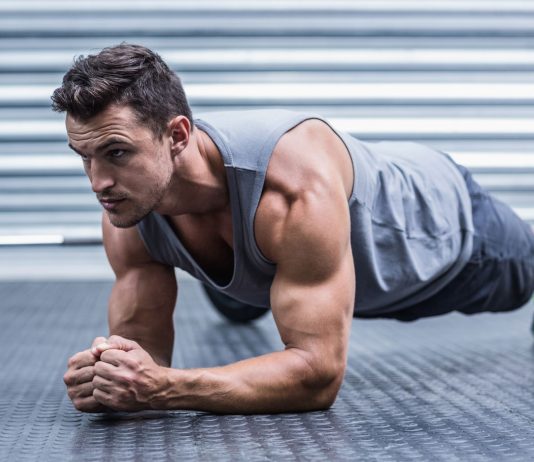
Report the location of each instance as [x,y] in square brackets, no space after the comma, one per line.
[307,234]
[144,294]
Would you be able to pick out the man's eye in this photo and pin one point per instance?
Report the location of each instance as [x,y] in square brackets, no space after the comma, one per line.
[116,153]
[84,158]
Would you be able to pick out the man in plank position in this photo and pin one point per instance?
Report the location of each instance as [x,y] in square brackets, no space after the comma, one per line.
[275,209]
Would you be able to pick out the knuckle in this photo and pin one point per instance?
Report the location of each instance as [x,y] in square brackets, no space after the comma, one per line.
[128,379]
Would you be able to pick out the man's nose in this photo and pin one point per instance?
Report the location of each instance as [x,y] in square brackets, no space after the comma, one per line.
[101,178]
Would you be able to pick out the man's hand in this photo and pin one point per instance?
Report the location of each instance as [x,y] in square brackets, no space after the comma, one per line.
[126,377]
[79,379]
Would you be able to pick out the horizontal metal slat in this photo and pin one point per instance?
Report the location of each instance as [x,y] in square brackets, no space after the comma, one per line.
[48,202]
[31,184]
[368,128]
[84,44]
[299,59]
[40,164]
[492,178]
[243,23]
[335,93]
[50,80]
[65,218]
[68,164]
[279,6]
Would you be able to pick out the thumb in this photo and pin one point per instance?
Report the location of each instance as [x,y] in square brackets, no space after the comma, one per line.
[117,342]
[98,340]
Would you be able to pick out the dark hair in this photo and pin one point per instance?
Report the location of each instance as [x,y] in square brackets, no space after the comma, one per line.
[124,74]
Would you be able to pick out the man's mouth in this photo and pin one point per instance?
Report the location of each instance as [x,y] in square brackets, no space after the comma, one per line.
[110,204]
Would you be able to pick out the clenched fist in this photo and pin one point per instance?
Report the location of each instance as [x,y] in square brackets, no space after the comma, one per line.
[79,379]
[126,378]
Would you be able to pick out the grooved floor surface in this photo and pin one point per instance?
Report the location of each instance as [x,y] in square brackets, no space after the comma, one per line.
[453,388]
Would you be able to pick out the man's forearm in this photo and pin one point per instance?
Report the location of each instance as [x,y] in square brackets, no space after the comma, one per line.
[276,382]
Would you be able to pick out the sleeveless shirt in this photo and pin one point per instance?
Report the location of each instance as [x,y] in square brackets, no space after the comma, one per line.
[411,219]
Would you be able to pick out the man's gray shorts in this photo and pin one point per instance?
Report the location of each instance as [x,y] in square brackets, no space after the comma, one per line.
[500,274]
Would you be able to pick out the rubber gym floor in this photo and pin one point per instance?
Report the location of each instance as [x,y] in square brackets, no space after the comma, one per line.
[453,75]
[451,388]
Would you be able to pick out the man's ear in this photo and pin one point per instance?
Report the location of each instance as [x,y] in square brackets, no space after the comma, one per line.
[179,130]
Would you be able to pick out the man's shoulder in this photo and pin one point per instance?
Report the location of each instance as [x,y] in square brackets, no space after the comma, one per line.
[246,116]
[311,155]
[309,164]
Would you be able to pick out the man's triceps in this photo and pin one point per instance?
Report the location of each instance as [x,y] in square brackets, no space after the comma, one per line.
[312,295]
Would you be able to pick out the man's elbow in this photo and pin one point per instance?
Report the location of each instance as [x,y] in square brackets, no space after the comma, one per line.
[324,396]
[323,385]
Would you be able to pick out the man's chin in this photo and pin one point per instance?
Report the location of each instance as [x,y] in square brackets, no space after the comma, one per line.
[123,222]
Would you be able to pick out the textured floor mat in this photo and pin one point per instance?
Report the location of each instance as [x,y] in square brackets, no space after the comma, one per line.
[442,389]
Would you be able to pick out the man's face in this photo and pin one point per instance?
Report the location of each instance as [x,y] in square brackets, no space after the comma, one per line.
[129,168]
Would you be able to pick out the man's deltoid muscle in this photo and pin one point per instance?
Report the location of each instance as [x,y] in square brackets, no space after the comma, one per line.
[275,209]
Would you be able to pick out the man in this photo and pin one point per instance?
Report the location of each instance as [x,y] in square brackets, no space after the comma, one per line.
[273,208]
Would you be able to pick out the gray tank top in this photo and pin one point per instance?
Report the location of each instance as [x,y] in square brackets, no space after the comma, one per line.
[411,220]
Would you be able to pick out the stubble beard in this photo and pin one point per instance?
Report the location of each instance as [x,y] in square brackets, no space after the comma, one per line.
[140,211]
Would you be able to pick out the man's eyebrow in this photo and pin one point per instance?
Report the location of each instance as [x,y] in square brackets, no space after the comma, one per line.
[74,149]
[104,145]
[109,142]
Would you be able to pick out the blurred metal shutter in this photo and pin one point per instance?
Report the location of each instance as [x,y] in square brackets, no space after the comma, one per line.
[455,75]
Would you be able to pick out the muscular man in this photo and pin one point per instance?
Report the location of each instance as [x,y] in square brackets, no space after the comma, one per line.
[273,208]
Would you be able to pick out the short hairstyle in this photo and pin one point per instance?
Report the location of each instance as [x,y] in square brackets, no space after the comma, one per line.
[124,74]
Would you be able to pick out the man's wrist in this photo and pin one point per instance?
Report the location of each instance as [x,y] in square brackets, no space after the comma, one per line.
[159,396]
[178,389]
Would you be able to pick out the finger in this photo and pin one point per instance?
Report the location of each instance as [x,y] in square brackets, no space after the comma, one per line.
[82,359]
[105,370]
[85,374]
[113,374]
[80,391]
[115,342]
[103,398]
[89,404]
[103,384]
[123,343]
[98,349]
[97,341]
[116,357]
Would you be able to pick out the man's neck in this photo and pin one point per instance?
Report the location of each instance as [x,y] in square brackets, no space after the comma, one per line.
[199,185]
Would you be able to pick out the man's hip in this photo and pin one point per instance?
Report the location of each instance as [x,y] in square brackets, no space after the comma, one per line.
[500,273]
